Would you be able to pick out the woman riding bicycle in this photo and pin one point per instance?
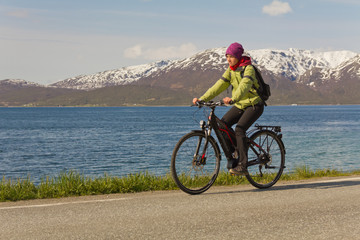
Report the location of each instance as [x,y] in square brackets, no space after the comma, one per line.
[248,106]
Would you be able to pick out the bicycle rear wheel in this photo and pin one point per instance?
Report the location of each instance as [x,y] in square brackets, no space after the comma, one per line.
[195,164]
[265,164]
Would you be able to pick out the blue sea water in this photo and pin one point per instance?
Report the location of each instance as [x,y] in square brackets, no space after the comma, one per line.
[40,142]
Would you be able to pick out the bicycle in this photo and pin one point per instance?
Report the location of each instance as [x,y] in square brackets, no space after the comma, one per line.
[195,161]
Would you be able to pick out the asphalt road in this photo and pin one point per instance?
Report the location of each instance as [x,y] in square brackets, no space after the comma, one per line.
[323,209]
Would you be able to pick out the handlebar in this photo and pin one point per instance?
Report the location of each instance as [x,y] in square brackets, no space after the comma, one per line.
[210,104]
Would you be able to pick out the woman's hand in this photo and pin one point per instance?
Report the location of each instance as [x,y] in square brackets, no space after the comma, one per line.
[227,100]
[195,100]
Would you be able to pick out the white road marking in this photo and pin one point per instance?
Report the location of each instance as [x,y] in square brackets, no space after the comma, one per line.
[64,203]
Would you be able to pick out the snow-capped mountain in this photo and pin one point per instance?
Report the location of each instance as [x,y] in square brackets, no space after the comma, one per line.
[291,64]
[122,76]
[213,59]
[317,77]
[295,76]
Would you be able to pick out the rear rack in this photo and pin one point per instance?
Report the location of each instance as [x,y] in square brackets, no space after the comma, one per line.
[276,129]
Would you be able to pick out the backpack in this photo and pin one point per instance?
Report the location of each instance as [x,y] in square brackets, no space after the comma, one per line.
[264,89]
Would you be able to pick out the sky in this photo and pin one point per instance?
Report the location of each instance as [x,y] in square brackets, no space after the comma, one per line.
[46,41]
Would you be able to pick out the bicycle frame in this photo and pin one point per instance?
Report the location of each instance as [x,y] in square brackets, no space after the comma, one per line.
[213,125]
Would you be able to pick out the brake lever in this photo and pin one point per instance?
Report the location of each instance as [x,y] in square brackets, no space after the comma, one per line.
[198,104]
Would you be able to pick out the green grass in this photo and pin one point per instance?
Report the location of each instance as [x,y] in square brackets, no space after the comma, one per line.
[75,184]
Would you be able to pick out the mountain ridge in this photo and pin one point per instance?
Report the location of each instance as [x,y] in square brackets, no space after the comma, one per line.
[295,76]
[290,63]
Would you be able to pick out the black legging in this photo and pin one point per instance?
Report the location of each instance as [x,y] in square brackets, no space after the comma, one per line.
[244,119]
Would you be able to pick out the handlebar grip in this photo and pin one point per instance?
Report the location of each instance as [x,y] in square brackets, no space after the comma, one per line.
[198,104]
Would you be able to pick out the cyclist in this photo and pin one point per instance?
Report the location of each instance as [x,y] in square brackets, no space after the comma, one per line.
[248,106]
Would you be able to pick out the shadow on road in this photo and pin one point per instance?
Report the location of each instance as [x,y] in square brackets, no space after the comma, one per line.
[310,185]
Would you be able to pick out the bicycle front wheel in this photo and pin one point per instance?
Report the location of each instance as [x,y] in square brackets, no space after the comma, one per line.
[195,162]
[266,159]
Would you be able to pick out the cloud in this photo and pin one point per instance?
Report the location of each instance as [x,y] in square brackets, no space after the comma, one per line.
[277,8]
[133,52]
[171,52]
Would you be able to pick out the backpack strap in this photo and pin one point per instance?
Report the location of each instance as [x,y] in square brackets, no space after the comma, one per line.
[260,81]
[247,76]
[242,76]
[242,71]
[251,78]
[227,80]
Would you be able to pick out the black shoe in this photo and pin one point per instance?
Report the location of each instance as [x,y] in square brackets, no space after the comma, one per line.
[239,170]
[232,163]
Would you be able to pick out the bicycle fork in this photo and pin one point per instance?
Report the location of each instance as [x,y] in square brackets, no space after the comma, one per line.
[201,159]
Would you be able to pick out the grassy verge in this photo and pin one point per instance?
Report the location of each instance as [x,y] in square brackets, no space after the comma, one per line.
[74,184]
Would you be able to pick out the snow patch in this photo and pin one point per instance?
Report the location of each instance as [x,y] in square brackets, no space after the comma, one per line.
[290,63]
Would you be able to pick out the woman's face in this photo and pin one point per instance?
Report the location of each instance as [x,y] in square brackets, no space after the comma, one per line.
[231,60]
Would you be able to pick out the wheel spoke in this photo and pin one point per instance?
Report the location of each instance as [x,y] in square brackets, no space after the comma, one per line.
[265,168]
[192,174]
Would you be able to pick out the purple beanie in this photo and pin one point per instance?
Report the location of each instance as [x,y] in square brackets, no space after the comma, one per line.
[236,50]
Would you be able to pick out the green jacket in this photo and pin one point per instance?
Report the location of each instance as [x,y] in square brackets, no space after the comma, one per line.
[243,93]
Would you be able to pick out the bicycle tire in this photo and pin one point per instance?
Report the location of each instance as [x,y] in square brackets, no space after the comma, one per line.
[189,175]
[269,169]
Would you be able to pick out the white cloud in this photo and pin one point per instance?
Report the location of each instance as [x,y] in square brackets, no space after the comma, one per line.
[170,52]
[277,8]
[133,52]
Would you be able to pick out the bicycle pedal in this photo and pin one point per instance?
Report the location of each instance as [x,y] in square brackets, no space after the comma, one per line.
[235,175]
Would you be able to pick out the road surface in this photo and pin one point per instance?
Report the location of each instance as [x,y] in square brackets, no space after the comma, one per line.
[314,209]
